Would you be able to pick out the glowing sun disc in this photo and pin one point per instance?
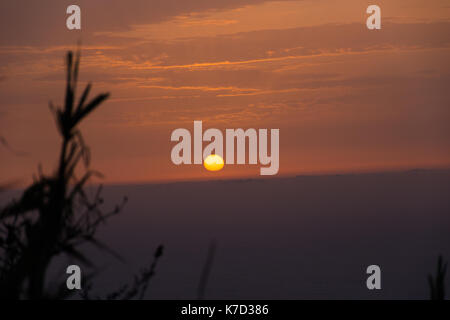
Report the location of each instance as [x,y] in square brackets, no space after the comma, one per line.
[213,162]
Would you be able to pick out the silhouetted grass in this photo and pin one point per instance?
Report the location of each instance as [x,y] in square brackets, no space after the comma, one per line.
[54,215]
[206,271]
[437,283]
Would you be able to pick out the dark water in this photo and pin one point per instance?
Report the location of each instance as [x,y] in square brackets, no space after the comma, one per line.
[293,238]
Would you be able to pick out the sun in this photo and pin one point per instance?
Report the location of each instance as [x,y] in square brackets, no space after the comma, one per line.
[213,162]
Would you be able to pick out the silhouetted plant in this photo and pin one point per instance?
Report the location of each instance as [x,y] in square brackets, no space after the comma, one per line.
[139,286]
[206,271]
[437,284]
[54,214]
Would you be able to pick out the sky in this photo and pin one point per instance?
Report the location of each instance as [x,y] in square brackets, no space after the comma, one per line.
[345,98]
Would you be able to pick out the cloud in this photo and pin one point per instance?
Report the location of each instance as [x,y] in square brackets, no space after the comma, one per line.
[245,50]
[39,23]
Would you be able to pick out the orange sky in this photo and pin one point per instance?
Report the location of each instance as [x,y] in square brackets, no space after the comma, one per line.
[345,98]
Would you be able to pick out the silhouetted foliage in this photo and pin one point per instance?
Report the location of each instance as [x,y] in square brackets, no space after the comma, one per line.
[206,271]
[54,215]
[134,291]
[437,284]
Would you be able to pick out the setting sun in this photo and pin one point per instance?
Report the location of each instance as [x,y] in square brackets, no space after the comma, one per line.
[213,162]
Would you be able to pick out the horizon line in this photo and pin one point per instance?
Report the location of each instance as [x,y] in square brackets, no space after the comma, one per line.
[15,186]
[278,176]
